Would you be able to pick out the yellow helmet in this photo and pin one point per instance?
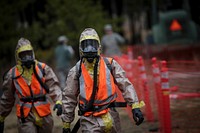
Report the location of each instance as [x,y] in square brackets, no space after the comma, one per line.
[24,53]
[89,44]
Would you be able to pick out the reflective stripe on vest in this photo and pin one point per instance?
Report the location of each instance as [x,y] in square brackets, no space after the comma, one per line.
[23,90]
[106,91]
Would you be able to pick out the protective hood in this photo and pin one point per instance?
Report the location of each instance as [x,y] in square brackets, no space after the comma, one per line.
[25,58]
[89,37]
[22,46]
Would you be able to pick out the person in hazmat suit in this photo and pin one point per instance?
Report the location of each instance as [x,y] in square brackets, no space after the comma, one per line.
[30,84]
[91,85]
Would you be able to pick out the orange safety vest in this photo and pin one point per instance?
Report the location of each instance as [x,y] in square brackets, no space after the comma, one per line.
[106,91]
[23,90]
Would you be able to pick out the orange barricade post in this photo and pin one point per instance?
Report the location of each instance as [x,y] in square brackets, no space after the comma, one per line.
[145,89]
[165,98]
[157,84]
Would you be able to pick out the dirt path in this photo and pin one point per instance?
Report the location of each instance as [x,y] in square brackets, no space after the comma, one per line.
[185,116]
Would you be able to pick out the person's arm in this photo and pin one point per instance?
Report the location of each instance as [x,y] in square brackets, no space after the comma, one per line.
[70,94]
[71,51]
[52,82]
[54,89]
[128,92]
[125,86]
[7,99]
[119,38]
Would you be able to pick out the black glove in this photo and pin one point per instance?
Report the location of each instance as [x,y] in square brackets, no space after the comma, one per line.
[66,130]
[1,127]
[58,106]
[137,116]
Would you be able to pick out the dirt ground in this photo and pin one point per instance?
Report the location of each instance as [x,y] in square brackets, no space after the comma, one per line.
[185,113]
[185,116]
[127,124]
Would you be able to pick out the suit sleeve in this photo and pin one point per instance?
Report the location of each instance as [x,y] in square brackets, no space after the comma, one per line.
[123,83]
[52,82]
[8,96]
[70,94]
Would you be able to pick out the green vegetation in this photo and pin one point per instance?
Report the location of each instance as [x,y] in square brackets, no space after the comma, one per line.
[42,21]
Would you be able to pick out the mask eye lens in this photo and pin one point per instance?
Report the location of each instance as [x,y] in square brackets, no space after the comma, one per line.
[26,55]
[89,42]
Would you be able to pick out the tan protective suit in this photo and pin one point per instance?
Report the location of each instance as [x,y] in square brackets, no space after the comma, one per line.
[93,124]
[34,123]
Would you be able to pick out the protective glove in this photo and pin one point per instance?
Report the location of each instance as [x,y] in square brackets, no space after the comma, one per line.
[66,127]
[58,106]
[2,124]
[137,116]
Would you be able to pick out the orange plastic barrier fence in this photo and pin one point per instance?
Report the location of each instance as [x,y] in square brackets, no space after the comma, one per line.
[183,76]
[135,72]
[145,89]
[159,82]
[158,91]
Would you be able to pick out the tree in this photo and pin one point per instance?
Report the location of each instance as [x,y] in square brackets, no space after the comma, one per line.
[42,21]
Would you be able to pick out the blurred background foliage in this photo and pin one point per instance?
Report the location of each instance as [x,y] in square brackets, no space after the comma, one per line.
[43,21]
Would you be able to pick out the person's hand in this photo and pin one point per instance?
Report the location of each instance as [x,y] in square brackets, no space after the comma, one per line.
[137,116]
[66,127]
[58,106]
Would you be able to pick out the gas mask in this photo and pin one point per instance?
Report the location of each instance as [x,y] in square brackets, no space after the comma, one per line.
[26,58]
[89,48]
